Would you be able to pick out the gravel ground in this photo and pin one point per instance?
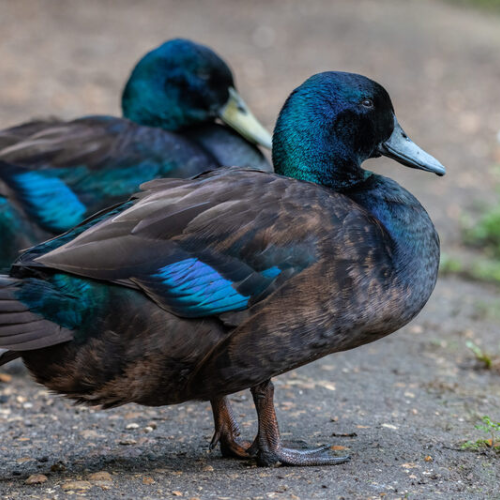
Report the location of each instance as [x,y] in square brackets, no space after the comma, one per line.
[402,406]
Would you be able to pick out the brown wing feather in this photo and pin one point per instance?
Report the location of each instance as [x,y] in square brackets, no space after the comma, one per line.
[239,222]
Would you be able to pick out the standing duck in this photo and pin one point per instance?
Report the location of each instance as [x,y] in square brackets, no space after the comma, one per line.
[54,174]
[195,289]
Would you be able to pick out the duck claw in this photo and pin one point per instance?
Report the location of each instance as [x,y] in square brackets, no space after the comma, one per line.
[236,447]
[227,432]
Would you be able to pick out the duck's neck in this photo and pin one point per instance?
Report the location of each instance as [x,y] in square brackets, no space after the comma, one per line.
[415,240]
[338,176]
[305,148]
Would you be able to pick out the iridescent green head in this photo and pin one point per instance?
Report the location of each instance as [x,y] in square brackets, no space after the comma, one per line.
[182,84]
[335,121]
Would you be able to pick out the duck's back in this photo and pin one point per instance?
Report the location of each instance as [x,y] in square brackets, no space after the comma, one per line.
[89,145]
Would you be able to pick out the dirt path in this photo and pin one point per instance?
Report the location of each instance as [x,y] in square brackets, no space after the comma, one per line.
[412,398]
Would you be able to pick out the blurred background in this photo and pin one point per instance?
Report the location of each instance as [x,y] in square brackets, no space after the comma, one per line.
[440,62]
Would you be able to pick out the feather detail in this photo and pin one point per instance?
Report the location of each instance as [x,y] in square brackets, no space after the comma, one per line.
[46,198]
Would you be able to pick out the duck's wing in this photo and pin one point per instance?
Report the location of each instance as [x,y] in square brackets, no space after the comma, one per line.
[96,143]
[60,172]
[219,243]
[19,133]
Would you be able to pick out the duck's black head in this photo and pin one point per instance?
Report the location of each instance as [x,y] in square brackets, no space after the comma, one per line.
[335,121]
[182,84]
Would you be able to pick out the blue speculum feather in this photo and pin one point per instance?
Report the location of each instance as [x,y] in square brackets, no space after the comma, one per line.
[50,200]
[272,272]
[200,289]
[8,215]
[10,226]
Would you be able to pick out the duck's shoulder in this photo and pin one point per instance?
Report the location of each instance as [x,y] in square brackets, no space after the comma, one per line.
[247,192]
[245,182]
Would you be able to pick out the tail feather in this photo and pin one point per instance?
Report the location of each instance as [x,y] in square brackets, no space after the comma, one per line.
[21,329]
[15,317]
[8,356]
[11,306]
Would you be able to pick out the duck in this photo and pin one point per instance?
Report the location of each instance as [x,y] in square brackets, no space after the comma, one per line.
[54,174]
[195,289]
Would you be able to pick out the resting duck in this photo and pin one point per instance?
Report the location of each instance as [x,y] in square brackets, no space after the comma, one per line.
[54,174]
[195,289]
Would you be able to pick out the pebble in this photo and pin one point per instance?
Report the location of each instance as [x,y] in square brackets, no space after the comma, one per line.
[126,442]
[76,485]
[390,426]
[36,479]
[132,426]
[90,434]
[100,476]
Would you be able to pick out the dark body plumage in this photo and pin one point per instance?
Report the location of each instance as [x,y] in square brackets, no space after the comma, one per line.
[54,174]
[328,303]
[195,289]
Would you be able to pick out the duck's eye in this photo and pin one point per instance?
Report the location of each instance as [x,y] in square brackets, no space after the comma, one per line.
[204,76]
[367,103]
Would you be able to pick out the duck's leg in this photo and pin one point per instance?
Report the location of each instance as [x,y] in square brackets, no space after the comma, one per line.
[227,431]
[269,446]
